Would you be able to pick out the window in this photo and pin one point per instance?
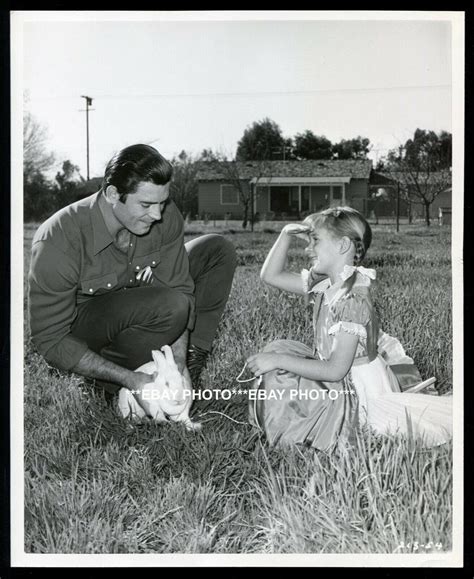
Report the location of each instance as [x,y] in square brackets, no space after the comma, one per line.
[229,195]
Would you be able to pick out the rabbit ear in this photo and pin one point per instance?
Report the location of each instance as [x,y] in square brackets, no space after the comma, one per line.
[159,359]
[169,356]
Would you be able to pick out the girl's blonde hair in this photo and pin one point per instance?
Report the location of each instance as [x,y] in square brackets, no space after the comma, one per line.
[341,222]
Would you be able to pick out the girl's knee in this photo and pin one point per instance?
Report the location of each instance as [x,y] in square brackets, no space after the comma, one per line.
[277,346]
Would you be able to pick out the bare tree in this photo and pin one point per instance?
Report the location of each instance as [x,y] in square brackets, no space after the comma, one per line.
[422,168]
[36,159]
[234,174]
[184,184]
[423,186]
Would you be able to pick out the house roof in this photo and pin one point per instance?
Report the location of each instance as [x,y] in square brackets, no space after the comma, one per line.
[385,178]
[351,168]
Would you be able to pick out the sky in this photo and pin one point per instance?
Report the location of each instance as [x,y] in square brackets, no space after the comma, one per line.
[198,84]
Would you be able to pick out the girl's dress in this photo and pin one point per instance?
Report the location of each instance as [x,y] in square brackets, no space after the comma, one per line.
[293,409]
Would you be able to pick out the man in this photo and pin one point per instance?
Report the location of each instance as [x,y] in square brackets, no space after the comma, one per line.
[111,278]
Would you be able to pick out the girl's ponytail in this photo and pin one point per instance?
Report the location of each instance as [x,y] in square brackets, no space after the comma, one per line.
[359,251]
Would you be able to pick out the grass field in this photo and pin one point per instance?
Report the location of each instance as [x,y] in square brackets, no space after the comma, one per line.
[93,484]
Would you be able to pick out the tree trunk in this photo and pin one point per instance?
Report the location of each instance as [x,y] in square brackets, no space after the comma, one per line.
[410,215]
[427,214]
[252,216]
[245,221]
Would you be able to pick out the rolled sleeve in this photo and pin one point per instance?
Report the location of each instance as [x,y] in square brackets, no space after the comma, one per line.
[52,286]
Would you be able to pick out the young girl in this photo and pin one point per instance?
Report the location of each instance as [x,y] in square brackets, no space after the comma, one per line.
[318,397]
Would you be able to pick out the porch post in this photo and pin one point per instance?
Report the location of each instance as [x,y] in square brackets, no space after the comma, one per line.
[343,193]
[299,198]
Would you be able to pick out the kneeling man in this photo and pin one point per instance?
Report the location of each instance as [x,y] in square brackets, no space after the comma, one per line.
[111,278]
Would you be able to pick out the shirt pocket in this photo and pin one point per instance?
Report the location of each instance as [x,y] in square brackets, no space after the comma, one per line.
[99,285]
[149,260]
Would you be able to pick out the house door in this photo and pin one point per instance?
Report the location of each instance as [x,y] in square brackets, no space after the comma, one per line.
[280,199]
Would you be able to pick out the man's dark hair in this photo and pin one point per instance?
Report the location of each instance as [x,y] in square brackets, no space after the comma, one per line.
[135,164]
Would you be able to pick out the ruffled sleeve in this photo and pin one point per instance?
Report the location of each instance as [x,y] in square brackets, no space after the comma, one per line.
[352,315]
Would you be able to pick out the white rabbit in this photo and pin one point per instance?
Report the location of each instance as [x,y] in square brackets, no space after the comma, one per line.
[168,397]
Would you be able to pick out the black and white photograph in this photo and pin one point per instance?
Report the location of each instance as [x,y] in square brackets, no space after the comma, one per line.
[237,288]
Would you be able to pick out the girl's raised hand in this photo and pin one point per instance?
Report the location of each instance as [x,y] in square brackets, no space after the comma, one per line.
[297,230]
[262,363]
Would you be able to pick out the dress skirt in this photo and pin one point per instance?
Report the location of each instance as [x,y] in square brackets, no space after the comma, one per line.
[295,410]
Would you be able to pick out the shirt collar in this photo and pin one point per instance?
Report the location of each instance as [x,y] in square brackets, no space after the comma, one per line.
[102,236]
[333,292]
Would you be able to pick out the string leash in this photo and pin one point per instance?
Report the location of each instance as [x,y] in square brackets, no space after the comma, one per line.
[240,380]
[243,380]
[259,381]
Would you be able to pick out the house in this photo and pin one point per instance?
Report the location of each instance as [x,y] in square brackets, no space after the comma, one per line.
[282,189]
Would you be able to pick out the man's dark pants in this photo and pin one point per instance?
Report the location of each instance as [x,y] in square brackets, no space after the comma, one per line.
[125,326]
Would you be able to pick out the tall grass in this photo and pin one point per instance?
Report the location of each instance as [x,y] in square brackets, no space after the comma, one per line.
[97,484]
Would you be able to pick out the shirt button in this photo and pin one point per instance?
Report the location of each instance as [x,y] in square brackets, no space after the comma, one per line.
[131,281]
[131,245]
[90,290]
[109,285]
[138,267]
[153,263]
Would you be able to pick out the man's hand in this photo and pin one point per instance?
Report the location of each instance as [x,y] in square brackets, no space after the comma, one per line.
[141,379]
[262,363]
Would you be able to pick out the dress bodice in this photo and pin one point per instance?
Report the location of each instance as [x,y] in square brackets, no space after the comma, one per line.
[345,306]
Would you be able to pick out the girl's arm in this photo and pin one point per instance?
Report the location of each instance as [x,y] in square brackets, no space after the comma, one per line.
[273,270]
[332,370]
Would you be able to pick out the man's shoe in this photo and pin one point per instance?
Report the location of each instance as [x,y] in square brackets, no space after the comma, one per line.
[197,358]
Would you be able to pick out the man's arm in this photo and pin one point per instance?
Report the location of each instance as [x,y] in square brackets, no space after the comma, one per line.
[53,283]
[92,365]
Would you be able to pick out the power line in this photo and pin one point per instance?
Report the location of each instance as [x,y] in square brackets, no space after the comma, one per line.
[257,93]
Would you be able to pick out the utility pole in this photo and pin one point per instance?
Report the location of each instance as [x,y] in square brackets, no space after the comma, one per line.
[252,216]
[88,103]
[400,149]
[283,149]
[398,205]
